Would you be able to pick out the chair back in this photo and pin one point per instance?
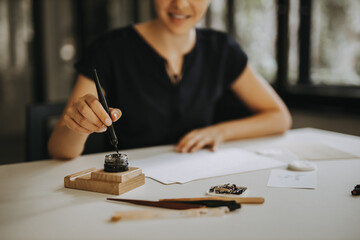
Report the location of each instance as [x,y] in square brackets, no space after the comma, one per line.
[40,121]
[38,128]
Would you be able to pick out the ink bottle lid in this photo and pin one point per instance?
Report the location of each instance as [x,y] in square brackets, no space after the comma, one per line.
[116,162]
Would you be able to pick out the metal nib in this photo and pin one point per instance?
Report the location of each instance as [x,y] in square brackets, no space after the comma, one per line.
[117,149]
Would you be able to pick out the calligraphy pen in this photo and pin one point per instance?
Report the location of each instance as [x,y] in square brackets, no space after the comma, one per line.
[111,131]
[173,204]
[187,208]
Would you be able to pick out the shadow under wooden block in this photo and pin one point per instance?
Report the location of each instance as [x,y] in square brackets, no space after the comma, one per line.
[96,180]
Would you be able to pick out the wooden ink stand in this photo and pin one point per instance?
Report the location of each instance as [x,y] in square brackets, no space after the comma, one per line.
[96,180]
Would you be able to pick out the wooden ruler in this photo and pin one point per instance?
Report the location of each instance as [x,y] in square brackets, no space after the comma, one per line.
[242,200]
[160,214]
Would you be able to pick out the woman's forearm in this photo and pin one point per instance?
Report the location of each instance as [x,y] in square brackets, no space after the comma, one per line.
[65,143]
[261,124]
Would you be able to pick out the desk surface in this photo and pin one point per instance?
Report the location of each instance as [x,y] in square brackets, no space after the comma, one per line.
[35,205]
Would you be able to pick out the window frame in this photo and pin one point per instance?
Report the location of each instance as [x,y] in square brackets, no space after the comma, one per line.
[304,94]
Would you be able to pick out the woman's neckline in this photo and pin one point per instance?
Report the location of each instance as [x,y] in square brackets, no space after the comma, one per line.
[153,49]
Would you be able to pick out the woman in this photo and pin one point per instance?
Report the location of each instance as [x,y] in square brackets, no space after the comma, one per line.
[166,77]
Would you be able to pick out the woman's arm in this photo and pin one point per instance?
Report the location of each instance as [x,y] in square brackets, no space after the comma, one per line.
[82,116]
[271,116]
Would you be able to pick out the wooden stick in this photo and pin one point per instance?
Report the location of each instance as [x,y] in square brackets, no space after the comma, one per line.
[243,200]
[159,214]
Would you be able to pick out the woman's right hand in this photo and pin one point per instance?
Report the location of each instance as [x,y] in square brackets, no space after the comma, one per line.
[86,115]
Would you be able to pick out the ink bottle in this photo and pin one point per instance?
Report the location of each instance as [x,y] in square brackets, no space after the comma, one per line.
[116,162]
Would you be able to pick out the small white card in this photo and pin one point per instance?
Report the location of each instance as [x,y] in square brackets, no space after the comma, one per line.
[292,179]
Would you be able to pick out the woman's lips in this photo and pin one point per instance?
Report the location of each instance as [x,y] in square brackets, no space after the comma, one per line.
[179,18]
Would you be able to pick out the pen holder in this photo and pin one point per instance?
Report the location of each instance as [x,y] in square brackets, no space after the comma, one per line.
[116,177]
[97,180]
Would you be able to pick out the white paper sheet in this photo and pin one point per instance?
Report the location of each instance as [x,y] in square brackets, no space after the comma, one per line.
[317,151]
[292,179]
[180,168]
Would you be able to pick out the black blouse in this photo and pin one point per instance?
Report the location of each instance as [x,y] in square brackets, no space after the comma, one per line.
[156,111]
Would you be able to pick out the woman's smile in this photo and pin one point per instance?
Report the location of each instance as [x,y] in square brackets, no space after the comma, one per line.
[178,18]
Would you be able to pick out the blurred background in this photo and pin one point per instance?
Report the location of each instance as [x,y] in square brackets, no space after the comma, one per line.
[308,50]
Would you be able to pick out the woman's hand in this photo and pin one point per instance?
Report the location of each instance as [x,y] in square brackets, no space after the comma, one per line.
[86,115]
[199,138]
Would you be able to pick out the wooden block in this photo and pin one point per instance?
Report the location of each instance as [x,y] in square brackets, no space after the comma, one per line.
[119,177]
[83,180]
[84,173]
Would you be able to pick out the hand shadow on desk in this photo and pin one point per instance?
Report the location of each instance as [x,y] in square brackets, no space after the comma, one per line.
[82,194]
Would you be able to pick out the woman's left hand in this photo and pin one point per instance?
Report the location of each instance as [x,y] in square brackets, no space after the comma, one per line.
[200,138]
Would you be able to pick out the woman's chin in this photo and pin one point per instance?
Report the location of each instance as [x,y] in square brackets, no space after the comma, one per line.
[180,29]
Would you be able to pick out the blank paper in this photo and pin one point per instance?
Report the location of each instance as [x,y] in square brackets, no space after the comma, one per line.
[184,167]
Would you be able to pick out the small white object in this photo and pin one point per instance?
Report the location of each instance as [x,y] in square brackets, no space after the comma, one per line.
[270,152]
[301,166]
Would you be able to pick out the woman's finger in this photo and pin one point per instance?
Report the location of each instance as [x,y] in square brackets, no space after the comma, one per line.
[187,142]
[214,144]
[71,124]
[115,114]
[74,114]
[85,111]
[199,145]
[98,110]
[186,138]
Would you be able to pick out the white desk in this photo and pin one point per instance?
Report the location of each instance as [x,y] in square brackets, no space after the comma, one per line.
[35,205]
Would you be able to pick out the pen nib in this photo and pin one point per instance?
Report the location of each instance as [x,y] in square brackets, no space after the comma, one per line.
[117,150]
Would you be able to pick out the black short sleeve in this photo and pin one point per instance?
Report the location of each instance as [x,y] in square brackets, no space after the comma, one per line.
[96,56]
[135,78]
[236,60]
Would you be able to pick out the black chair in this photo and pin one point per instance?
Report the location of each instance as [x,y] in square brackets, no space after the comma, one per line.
[40,121]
